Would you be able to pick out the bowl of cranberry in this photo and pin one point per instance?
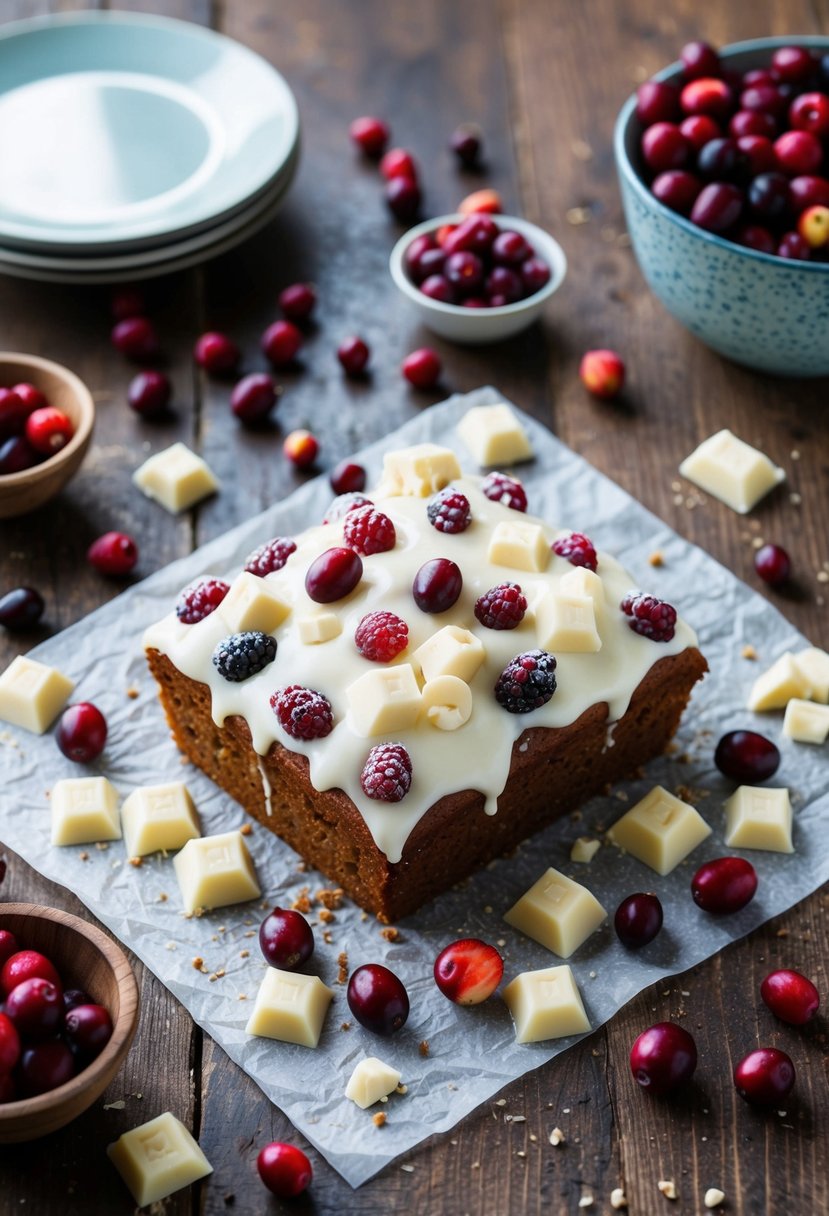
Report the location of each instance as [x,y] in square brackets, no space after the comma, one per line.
[723,162]
[69,1017]
[46,420]
[477,278]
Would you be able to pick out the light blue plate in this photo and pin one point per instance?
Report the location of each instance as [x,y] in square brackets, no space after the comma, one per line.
[120,129]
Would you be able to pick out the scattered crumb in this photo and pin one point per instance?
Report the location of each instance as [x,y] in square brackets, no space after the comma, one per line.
[345,1025]
[302,866]
[102,846]
[326,916]
[617,1198]
[342,964]
[581,149]
[676,486]
[668,1188]
[198,963]
[245,829]
[136,861]
[656,559]
[119,1104]
[795,455]
[390,933]
[379,1119]
[500,1101]
[476,1165]
[84,856]
[423,1047]
[795,499]
[520,1153]
[586,1200]
[242,997]
[404,1089]
[132,693]
[302,903]
[327,937]
[172,946]
[577,216]
[822,576]
[748,652]
[330,898]
[757,542]
[557,1137]
[408,1169]
[244,954]
[714,1196]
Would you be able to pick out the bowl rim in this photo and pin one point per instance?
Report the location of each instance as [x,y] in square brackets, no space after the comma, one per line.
[83,431]
[555,255]
[123,1027]
[624,165]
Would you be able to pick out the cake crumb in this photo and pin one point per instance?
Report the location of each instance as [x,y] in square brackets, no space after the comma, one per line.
[617,1198]
[198,963]
[327,937]
[379,1119]
[102,846]
[748,652]
[84,856]
[244,954]
[668,1188]
[577,216]
[423,1047]
[586,1200]
[133,693]
[713,1197]
[408,1169]
[136,861]
[302,903]
[172,946]
[557,1137]
[342,964]
[242,996]
[656,559]
[325,916]
[390,934]
[245,829]
[404,1089]
[302,866]
[345,1025]
[581,149]
[330,898]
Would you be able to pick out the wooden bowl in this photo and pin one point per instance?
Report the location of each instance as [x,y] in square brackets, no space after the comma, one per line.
[31,488]
[85,958]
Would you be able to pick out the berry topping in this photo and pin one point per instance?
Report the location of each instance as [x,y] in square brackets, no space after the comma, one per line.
[302,712]
[367,530]
[764,1077]
[348,478]
[242,655]
[284,1169]
[449,511]
[381,636]
[468,971]
[502,607]
[527,682]
[500,487]
[270,556]
[353,354]
[638,920]
[387,773]
[113,553]
[344,503]
[437,585]
[216,353]
[724,885]
[663,1057]
[286,939]
[746,757]
[377,999]
[650,617]
[81,732]
[577,549]
[200,599]
[790,996]
[21,608]
[333,575]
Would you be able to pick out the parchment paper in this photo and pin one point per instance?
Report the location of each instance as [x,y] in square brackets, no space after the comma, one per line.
[472,1052]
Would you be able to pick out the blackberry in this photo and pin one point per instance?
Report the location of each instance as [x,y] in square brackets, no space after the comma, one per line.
[502,607]
[270,556]
[578,550]
[449,512]
[242,655]
[302,712]
[200,599]
[527,682]
[650,617]
[387,773]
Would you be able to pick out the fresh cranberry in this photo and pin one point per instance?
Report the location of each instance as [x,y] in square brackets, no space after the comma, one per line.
[44,1067]
[497,300]
[476,234]
[21,608]
[298,301]
[403,199]
[764,97]
[468,971]
[88,1029]
[656,101]
[354,355]
[136,338]
[286,939]
[370,135]
[602,372]
[465,271]
[17,454]
[799,153]
[127,302]
[113,553]
[430,264]
[792,63]
[638,920]
[790,996]
[9,1044]
[425,243]
[808,191]
[510,248]
[333,575]
[14,412]
[724,885]
[301,448]
[793,245]
[698,129]
[772,564]
[722,160]
[149,394]
[762,157]
[466,142]
[707,95]
[813,226]
[281,342]
[398,162]
[535,274]
[422,368]
[48,430]
[500,487]
[348,478]
[253,397]
[217,354]
[73,997]
[699,59]
[284,1169]
[81,732]
[486,201]
[30,395]
[36,1008]
[752,122]
[677,190]
[810,112]
[502,282]
[768,196]
[8,946]
[764,1077]
[718,207]
[377,999]
[663,1058]
[753,236]
[437,287]
[746,757]
[757,76]
[26,965]
[664,147]
[437,585]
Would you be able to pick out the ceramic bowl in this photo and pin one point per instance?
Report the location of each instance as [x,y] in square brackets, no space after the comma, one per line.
[766,312]
[480,325]
[85,958]
[31,488]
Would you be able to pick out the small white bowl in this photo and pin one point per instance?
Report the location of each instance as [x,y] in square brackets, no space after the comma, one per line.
[479,325]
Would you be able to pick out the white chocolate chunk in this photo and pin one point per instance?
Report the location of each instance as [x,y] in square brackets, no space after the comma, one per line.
[176,478]
[667,1187]
[557,912]
[759,818]
[32,694]
[318,627]
[618,1199]
[214,871]
[494,435]
[253,603]
[158,1158]
[291,1007]
[713,1197]
[451,651]
[567,623]
[419,471]
[370,1081]
[84,810]
[584,850]
[581,581]
[806,722]
[776,687]
[384,701]
[447,702]
[520,546]
[545,1004]
[814,664]
[661,830]
[159,817]
[733,471]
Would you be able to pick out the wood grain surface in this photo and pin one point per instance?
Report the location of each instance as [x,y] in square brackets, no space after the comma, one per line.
[544,78]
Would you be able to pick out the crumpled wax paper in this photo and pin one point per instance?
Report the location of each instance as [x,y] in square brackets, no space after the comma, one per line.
[472,1052]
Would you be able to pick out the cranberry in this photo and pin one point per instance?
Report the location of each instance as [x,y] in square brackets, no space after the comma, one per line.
[8,1089]
[377,999]
[36,1008]
[813,226]
[699,59]
[475,302]
[398,163]
[30,395]
[799,152]
[746,757]
[17,454]
[216,353]
[348,478]
[698,129]
[790,996]
[793,245]
[810,112]
[755,237]
[468,971]
[724,885]
[764,1077]
[466,143]
[21,608]
[281,342]
[48,430]
[762,157]
[757,76]
[465,271]
[284,1169]
[430,264]
[638,920]
[127,302]
[503,282]
[707,95]
[656,101]
[81,732]
[370,135]
[88,1029]
[602,372]
[476,234]
[403,199]
[73,997]
[437,287]
[510,248]
[333,575]
[487,201]
[425,243]
[768,196]
[808,191]
[136,338]
[792,63]
[764,97]
[13,413]
[535,274]
[354,355]
[772,564]
[422,368]
[9,1044]
[664,147]
[718,207]
[8,946]
[26,965]
[298,301]
[149,394]
[677,190]
[752,122]
[44,1067]
[253,397]
[286,939]
[723,160]
[663,1058]
[301,448]
[113,553]
[437,585]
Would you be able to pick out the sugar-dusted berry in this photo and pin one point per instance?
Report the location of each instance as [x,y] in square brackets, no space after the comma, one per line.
[449,511]
[501,607]
[577,549]
[270,556]
[200,599]
[303,713]
[527,682]
[387,773]
[344,503]
[650,617]
[381,636]
[367,530]
[500,487]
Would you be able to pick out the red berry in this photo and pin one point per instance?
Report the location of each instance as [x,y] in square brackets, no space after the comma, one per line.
[48,430]
[503,286]
[88,1029]
[664,147]
[663,1058]
[253,397]
[333,575]
[81,732]
[20,609]
[813,226]
[127,302]
[298,301]
[792,64]
[746,757]
[437,287]
[485,201]
[281,342]
[35,1006]
[8,946]
[437,585]
[650,617]
[425,243]
[699,59]
[466,142]
[500,487]
[202,597]
[810,112]
[381,636]
[752,122]
[149,394]
[367,530]
[398,163]
[808,191]
[501,607]
[403,199]
[113,553]
[699,129]
[772,564]
[8,1089]
[753,236]
[724,885]
[677,190]
[656,101]
[286,939]
[377,999]
[354,355]
[44,1067]
[301,448]
[26,965]
[577,549]
[465,271]
[216,353]
[449,512]
[768,196]
[798,152]
[14,411]
[73,997]
[302,712]
[764,1077]
[468,971]
[475,234]
[422,368]
[760,152]
[9,1044]
[718,206]
[17,454]
[344,503]
[370,135]
[510,248]
[527,682]
[790,996]
[387,773]
[30,395]
[793,245]
[268,557]
[535,274]
[347,478]
[707,95]
[638,920]
[602,373]
[764,97]
[136,338]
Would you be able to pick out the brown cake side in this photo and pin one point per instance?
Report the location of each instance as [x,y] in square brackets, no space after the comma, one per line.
[558,771]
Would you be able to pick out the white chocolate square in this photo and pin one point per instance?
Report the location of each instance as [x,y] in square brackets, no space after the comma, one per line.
[253,603]
[370,1081]
[733,471]
[806,722]
[32,694]
[176,478]
[156,818]
[158,1158]
[384,701]
[318,627]
[214,871]
[291,1007]
[581,581]
[419,471]
[776,687]
[494,435]
[567,623]
[584,850]
[661,830]
[520,546]
[557,912]
[546,1004]
[451,651]
[759,818]
[814,664]
[84,810]
[446,702]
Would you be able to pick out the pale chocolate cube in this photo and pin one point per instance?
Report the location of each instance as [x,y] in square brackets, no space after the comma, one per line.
[814,664]
[419,471]
[567,623]
[733,471]
[584,849]
[806,722]
[158,818]
[557,912]
[759,818]
[176,478]
[581,581]
[214,871]
[446,702]
[291,1007]
[32,694]
[384,701]
[451,651]
[371,1081]
[158,1158]
[253,603]
[546,1004]
[494,435]
[520,546]
[318,627]
[776,687]
[84,811]
[661,830]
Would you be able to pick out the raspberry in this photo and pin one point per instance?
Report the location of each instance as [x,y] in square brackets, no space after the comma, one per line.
[502,607]
[651,617]
[302,712]
[344,503]
[200,599]
[387,773]
[527,682]
[270,556]
[241,655]
[368,531]
[577,549]
[381,636]
[506,490]
[449,512]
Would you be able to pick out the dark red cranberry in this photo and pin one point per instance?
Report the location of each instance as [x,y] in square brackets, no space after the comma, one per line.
[799,153]
[501,281]
[136,338]
[398,163]
[9,1044]
[790,996]
[49,430]
[377,999]
[281,342]
[475,302]
[113,553]
[762,157]
[792,63]
[26,965]
[422,368]
[30,395]
[722,160]
[149,394]
[656,101]
[699,129]
[665,147]
[431,262]
[348,478]
[437,585]
[437,287]
[535,274]
[13,413]
[677,190]
[73,997]
[8,944]
[699,59]
[810,112]
[88,1029]
[752,122]
[465,271]
[757,76]
[333,575]
[17,454]
[718,207]
[724,885]
[746,757]
[217,354]
[764,97]
[8,1089]
[371,136]
[36,1008]
[44,1067]
[768,196]
[298,301]
[466,143]
[638,920]
[475,234]
[414,251]
[663,1058]
[753,236]
[127,302]
[286,939]
[82,732]
[764,1077]
[808,191]
[21,608]
[707,95]
[284,1169]
[253,397]
[354,355]
[793,245]
[403,199]
[772,564]
[510,249]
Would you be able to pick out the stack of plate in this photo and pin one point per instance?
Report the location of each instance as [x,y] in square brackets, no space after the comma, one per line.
[131,146]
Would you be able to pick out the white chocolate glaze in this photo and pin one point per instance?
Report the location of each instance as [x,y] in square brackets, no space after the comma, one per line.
[475,756]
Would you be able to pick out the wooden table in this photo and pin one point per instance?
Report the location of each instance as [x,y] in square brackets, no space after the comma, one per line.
[545,81]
